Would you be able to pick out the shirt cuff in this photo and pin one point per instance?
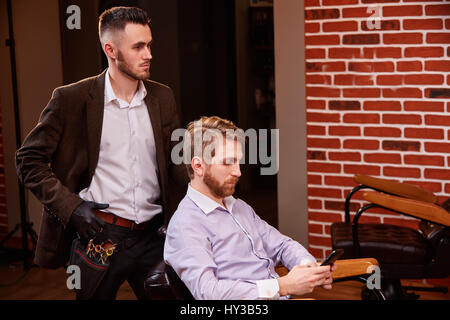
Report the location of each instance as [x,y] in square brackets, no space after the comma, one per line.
[268,289]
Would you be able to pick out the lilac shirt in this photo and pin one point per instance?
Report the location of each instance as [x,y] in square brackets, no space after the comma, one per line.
[224,254]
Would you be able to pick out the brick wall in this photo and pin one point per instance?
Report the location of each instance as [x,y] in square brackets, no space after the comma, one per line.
[377,103]
[3,211]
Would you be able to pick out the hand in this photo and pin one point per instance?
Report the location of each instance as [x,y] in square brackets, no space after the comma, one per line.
[303,279]
[327,285]
[85,221]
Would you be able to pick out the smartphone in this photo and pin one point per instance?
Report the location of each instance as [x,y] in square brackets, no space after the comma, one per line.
[336,254]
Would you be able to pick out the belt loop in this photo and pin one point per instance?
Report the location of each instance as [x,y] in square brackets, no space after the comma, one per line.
[115,219]
[132,226]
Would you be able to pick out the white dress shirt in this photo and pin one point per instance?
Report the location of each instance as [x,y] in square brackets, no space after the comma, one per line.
[126,176]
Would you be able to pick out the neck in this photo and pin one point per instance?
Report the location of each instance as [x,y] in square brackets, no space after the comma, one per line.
[202,188]
[123,86]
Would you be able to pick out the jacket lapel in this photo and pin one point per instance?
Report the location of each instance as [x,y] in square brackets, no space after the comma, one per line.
[94,113]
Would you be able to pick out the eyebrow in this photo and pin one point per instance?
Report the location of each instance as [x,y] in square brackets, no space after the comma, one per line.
[140,43]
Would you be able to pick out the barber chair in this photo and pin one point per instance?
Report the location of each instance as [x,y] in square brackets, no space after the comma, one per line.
[402,252]
[162,282]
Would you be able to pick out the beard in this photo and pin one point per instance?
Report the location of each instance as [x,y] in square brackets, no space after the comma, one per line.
[124,67]
[220,190]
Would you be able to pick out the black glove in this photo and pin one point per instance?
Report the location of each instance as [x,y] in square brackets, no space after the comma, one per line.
[85,221]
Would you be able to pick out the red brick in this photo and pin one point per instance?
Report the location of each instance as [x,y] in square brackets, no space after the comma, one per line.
[383,25]
[344,105]
[312,3]
[340,181]
[367,218]
[317,155]
[437,147]
[402,93]
[361,93]
[325,66]
[322,92]
[362,169]
[319,241]
[324,192]
[424,78]
[401,145]
[371,66]
[389,80]
[345,156]
[312,27]
[383,105]
[315,179]
[402,119]
[315,228]
[382,132]
[322,117]
[315,53]
[338,2]
[344,131]
[424,160]
[361,144]
[322,40]
[324,217]
[319,14]
[340,206]
[447,188]
[400,11]
[356,12]
[323,143]
[438,174]
[436,37]
[438,65]
[361,118]
[317,79]
[324,167]
[315,104]
[383,158]
[437,93]
[344,53]
[315,130]
[425,52]
[422,24]
[351,79]
[437,10]
[357,39]
[340,26]
[424,133]
[314,204]
[402,38]
[401,172]
[388,52]
[435,120]
[409,66]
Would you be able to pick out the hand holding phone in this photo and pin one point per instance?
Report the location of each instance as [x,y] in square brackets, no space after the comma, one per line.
[335,255]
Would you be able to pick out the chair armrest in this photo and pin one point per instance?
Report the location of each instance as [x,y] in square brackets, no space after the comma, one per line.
[419,209]
[353,267]
[344,268]
[397,188]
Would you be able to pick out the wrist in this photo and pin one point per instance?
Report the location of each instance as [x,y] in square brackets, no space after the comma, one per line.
[282,284]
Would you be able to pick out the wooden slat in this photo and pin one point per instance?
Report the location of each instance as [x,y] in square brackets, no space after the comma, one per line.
[418,209]
[398,188]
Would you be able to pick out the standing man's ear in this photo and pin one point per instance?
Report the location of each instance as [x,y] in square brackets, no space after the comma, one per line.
[110,50]
[197,166]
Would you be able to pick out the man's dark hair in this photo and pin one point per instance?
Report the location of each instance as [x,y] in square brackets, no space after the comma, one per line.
[116,18]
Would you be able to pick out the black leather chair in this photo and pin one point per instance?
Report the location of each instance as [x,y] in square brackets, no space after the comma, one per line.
[402,252]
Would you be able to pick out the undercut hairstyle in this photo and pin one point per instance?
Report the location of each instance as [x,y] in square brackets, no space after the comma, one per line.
[203,133]
[116,18]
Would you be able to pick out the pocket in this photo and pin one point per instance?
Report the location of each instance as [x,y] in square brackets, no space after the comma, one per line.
[91,273]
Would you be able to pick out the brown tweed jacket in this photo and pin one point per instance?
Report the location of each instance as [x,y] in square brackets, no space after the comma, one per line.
[59,156]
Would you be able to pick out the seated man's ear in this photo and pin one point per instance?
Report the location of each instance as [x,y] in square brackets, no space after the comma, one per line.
[197,166]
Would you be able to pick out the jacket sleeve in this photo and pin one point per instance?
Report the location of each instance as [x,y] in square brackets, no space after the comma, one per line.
[33,162]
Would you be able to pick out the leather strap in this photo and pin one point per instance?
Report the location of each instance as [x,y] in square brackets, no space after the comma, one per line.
[121,222]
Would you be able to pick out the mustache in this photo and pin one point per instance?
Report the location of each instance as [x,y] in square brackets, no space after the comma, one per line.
[232,180]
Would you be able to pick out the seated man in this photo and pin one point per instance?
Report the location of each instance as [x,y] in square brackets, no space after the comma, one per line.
[217,244]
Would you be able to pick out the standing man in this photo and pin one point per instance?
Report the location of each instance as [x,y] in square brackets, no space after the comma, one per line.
[218,245]
[99,159]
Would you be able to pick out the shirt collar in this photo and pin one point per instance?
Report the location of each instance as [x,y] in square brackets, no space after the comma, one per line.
[110,96]
[206,204]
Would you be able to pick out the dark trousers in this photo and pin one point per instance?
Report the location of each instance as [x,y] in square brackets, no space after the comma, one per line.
[138,251]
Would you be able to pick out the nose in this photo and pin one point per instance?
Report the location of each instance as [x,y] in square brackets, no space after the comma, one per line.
[236,170]
[148,53]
